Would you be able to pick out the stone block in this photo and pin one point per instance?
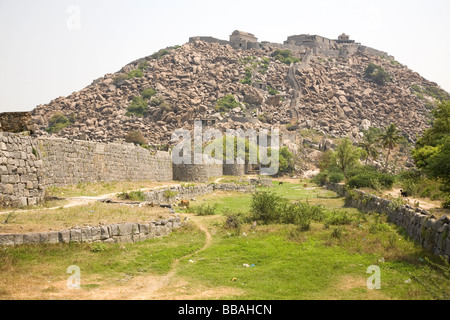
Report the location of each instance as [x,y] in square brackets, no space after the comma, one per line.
[6,239]
[86,235]
[18,239]
[64,236]
[53,237]
[31,238]
[43,237]
[144,228]
[75,235]
[95,233]
[104,233]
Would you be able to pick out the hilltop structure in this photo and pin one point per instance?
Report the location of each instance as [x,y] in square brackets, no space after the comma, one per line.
[343,46]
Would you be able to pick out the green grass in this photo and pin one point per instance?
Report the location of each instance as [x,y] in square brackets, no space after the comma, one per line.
[108,266]
[328,261]
[313,265]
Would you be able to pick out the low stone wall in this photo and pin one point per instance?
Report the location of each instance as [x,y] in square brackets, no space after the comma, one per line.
[159,197]
[433,234]
[114,233]
[21,170]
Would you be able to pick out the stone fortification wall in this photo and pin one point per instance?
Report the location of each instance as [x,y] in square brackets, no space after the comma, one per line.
[21,170]
[70,162]
[196,172]
[433,234]
[234,169]
[28,165]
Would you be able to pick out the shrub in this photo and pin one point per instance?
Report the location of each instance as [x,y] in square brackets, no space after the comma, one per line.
[148,93]
[336,177]
[98,247]
[374,180]
[272,91]
[338,218]
[143,65]
[137,107]
[228,102]
[133,196]
[265,206]
[120,79]
[135,137]
[285,56]
[248,76]
[137,73]
[169,194]
[377,74]
[58,121]
[321,178]
[205,209]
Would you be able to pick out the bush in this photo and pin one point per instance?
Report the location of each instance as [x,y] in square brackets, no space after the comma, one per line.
[137,107]
[205,209]
[169,194]
[377,74]
[137,73]
[135,137]
[228,102]
[120,79]
[285,56]
[321,179]
[133,196]
[98,247]
[336,177]
[374,180]
[266,207]
[58,121]
[338,218]
[272,91]
[148,93]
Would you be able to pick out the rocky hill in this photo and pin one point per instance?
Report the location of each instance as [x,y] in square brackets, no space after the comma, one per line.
[170,89]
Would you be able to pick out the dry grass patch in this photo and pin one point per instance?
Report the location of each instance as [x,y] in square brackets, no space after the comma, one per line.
[86,215]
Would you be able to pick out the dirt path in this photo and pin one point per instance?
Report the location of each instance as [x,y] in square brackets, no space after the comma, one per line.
[152,287]
[85,200]
[424,204]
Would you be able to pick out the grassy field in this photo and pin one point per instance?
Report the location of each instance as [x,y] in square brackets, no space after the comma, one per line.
[274,261]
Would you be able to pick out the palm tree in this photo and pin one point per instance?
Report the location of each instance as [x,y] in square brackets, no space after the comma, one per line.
[389,139]
[369,143]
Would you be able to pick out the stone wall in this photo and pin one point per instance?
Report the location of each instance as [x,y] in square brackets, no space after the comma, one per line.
[22,171]
[234,169]
[70,162]
[197,172]
[114,233]
[178,193]
[433,234]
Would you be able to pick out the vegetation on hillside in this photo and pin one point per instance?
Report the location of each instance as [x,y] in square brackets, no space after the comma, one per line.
[377,74]
[59,121]
[285,56]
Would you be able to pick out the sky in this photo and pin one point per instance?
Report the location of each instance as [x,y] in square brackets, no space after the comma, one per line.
[51,48]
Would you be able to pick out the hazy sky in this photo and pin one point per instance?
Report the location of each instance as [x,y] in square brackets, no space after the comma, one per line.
[51,48]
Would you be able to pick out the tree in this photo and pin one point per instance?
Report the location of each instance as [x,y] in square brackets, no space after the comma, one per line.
[389,139]
[369,144]
[347,155]
[432,151]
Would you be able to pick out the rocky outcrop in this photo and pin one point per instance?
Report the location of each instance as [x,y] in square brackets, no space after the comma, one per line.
[332,95]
